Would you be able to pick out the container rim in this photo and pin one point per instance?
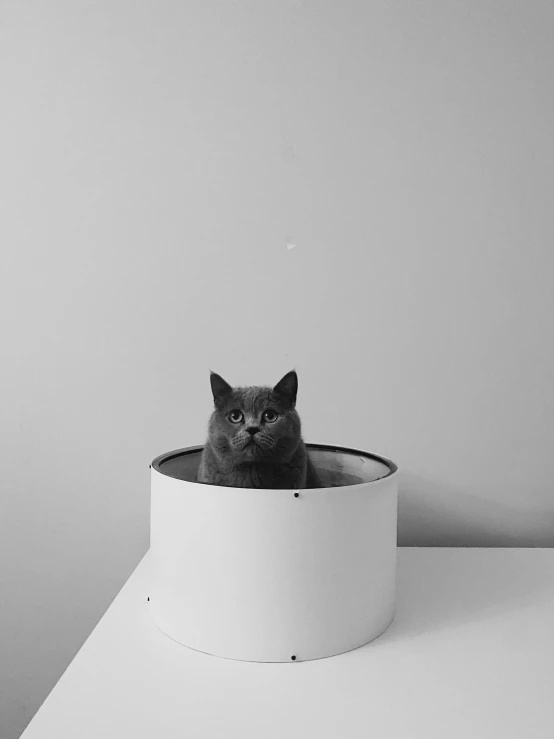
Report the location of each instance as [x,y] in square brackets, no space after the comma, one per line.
[393,469]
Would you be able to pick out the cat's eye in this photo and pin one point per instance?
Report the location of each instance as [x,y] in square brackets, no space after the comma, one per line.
[235,416]
[270,415]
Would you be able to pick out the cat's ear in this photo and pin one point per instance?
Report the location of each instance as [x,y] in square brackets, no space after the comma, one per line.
[287,388]
[220,388]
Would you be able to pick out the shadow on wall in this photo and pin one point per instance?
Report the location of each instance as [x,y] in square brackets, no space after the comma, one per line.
[14,715]
[436,515]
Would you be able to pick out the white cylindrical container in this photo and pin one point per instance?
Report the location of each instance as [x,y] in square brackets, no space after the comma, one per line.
[274,575]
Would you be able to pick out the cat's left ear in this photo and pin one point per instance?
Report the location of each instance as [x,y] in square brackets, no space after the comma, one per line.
[287,388]
[220,388]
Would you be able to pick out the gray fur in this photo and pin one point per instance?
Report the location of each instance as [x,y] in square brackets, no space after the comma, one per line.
[274,457]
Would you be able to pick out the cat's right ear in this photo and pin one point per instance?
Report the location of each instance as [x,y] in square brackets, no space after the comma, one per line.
[287,388]
[220,388]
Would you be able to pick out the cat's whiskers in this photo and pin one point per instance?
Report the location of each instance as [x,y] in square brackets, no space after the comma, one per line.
[241,441]
[265,441]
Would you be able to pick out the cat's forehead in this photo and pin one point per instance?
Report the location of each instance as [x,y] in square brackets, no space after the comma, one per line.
[253,399]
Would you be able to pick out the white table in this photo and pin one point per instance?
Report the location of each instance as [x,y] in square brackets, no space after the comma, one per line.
[470,654]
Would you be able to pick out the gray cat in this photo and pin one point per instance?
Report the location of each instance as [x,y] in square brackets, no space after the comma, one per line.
[254,438]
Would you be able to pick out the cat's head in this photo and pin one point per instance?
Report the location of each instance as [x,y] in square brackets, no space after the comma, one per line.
[252,424]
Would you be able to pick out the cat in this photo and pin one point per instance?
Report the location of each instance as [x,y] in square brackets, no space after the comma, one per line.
[254,438]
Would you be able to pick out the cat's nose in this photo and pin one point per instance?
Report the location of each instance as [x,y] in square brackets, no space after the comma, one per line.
[252,430]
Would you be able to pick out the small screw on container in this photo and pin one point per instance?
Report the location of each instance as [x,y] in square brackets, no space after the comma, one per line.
[293,657]
[296,495]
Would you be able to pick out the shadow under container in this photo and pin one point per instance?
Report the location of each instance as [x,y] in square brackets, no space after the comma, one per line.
[274,575]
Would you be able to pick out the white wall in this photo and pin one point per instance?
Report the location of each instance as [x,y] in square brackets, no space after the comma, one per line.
[157,158]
